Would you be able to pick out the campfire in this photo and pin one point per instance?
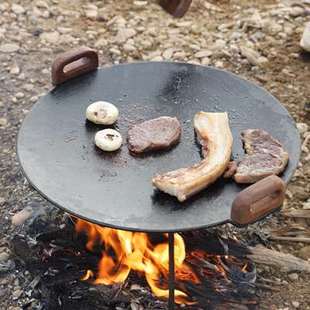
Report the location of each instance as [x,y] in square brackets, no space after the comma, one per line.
[208,272]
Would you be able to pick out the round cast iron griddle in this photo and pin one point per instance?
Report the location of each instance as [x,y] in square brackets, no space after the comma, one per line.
[58,156]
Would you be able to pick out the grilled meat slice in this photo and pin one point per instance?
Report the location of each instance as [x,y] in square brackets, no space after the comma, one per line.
[216,140]
[265,156]
[155,134]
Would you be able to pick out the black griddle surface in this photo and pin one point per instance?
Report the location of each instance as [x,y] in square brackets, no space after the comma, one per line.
[57,152]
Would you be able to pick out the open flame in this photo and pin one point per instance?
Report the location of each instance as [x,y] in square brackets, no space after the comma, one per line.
[123,251]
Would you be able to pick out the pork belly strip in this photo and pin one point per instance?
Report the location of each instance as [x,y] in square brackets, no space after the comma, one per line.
[216,140]
[265,156]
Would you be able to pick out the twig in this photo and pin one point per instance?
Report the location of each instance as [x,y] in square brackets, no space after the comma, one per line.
[287,262]
[297,214]
[268,287]
[296,239]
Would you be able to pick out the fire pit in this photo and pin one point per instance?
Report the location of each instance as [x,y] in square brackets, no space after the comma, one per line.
[56,152]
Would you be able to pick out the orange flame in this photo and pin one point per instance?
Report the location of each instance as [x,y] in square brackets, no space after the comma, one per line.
[124,251]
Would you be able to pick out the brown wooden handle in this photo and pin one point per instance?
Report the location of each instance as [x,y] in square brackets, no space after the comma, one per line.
[177,8]
[258,200]
[74,63]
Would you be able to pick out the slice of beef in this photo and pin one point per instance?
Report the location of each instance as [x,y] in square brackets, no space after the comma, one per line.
[155,134]
[265,156]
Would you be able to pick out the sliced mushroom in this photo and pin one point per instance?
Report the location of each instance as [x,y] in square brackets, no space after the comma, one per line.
[108,140]
[102,112]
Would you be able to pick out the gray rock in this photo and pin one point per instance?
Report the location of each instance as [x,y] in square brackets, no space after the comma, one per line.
[17,9]
[306,205]
[129,47]
[4,7]
[253,57]
[140,3]
[305,252]
[203,54]
[41,4]
[15,69]
[157,58]
[28,87]
[293,276]
[297,11]
[305,40]
[50,37]
[34,99]
[205,61]
[101,43]
[3,122]
[124,34]
[17,293]
[4,256]
[20,95]
[302,128]
[295,304]
[91,14]
[9,48]
[167,54]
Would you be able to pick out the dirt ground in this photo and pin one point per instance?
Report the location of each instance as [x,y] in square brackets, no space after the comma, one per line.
[259,40]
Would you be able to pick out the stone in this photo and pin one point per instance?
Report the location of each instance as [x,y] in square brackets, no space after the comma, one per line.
[302,128]
[124,34]
[305,40]
[306,205]
[4,257]
[304,252]
[203,54]
[219,64]
[219,44]
[20,95]
[255,21]
[293,276]
[299,192]
[101,43]
[4,7]
[167,54]
[17,293]
[64,30]
[15,69]
[297,11]
[157,58]
[20,217]
[253,57]
[295,304]
[41,4]
[205,61]
[128,48]
[34,99]
[3,122]
[140,3]
[91,14]
[50,37]
[28,87]
[17,9]
[9,48]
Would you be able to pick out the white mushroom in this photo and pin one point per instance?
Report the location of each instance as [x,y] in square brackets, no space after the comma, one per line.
[102,112]
[108,140]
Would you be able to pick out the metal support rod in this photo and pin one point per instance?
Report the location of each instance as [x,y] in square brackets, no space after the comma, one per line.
[171,279]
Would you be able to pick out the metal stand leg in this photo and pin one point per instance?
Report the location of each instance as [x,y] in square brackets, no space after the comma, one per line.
[171,271]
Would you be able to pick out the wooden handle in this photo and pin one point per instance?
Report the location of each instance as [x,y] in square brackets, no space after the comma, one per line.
[177,8]
[74,63]
[258,200]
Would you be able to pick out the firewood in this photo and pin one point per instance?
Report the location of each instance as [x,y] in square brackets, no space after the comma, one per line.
[287,262]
